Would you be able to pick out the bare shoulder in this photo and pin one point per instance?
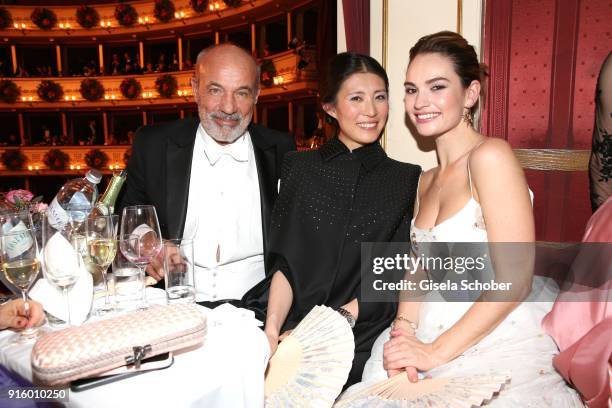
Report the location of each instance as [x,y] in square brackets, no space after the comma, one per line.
[493,153]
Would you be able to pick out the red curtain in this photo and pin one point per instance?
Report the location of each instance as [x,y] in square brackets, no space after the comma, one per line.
[357,25]
[544,57]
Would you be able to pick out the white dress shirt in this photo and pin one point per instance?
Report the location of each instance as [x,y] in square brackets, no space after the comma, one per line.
[224,218]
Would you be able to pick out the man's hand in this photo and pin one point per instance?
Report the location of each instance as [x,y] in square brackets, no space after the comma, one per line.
[155,269]
[16,315]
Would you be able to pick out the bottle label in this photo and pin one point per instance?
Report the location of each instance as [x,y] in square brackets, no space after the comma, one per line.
[57,216]
[112,192]
[141,230]
[16,244]
[78,207]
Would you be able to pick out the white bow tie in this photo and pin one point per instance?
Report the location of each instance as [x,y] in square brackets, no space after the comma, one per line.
[239,151]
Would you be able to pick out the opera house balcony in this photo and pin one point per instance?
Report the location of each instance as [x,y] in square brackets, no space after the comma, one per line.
[82,79]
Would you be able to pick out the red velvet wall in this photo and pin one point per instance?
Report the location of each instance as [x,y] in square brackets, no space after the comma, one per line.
[544,57]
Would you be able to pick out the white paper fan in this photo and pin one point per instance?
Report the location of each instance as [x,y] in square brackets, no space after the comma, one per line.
[398,391]
[312,364]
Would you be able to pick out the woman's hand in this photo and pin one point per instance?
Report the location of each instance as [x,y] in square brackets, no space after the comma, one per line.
[272,341]
[284,335]
[405,352]
[16,315]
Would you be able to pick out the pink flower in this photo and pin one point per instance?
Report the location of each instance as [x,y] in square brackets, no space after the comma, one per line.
[39,207]
[22,195]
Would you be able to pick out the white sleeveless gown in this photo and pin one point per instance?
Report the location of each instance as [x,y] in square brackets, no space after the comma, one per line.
[518,345]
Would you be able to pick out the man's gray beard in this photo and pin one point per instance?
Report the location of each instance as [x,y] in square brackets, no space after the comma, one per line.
[216,132]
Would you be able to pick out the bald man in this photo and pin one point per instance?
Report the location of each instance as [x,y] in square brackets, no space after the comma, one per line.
[213,178]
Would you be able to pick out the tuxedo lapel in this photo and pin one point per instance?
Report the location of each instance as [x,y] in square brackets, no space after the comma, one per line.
[265,159]
[179,152]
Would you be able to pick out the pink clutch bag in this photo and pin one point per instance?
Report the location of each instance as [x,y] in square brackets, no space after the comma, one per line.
[78,352]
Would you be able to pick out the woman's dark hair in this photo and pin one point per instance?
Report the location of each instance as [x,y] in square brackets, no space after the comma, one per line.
[460,52]
[341,67]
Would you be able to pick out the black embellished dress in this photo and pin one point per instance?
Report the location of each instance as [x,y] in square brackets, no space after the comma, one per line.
[330,201]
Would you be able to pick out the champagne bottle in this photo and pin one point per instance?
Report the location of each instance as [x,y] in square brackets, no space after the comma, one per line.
[106,203]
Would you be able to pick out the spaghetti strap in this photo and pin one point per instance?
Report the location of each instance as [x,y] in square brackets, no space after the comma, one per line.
[417,196]
[468,167]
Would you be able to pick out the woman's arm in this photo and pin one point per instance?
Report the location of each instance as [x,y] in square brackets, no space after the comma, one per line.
[279,303]
[507,210]
[504,197]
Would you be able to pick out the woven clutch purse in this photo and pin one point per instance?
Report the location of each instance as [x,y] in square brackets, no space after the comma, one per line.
[78,352]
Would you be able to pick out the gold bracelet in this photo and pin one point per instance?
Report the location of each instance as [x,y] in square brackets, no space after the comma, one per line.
[401,318]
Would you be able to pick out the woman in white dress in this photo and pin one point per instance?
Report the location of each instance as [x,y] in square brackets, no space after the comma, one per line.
[478,193]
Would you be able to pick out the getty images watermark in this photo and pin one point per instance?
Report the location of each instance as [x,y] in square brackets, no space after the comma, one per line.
[477,271]
[410,265]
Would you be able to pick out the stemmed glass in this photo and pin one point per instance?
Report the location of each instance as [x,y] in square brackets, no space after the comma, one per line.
[100,236]
[61,257]
[14,221]
[140,239]
[18,254]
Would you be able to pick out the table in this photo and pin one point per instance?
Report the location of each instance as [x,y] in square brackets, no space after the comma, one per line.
[227,371]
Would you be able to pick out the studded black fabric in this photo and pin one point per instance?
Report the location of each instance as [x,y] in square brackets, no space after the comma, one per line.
[331,200]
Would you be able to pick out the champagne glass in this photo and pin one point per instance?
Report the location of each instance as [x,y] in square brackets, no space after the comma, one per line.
[61,258]
[101,245]
[140,238]
[18,254]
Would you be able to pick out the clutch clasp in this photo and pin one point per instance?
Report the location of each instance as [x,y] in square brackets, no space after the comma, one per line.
[139,354]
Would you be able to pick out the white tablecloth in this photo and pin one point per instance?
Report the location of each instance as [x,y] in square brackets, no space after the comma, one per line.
[227,371]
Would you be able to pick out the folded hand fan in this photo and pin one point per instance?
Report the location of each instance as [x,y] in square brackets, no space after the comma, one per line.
[312,364]
[398,391]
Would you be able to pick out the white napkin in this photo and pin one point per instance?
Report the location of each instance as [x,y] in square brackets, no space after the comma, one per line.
[79,298]
[57,252]
[227,314]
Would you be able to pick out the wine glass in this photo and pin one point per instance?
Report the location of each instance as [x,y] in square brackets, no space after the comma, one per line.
[13,221]
[100,237]
[140,239]
[18,255]
[61,257]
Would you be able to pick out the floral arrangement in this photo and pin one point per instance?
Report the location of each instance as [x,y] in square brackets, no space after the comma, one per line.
[163,10]
[55,159]
[87,16]
[19,200]
[49,91]
[126,15]
[166,86]
[96,159]
[9,91]
[130,88]
[14,159]
[268,72]
[44,18]
[199,5]
[232,3]
[127,155]
[91,89]
[6,20]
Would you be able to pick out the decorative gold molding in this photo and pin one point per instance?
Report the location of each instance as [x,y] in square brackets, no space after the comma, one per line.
[35,155]
[385,42]
[553,159]
[460,17]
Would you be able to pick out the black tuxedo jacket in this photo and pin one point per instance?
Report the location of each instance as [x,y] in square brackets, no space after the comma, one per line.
[160,167]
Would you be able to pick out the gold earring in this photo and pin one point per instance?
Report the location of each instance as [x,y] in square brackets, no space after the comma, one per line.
[467,118]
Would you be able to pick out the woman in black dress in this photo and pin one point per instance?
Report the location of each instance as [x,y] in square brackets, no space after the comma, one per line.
[333,199]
